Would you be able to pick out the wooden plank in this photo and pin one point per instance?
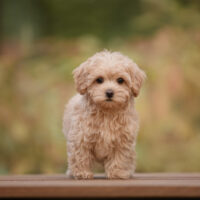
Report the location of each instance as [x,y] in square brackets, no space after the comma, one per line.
[142,185]
[145,176]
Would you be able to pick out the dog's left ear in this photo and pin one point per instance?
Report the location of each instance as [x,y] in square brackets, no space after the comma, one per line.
[80,77]
[138,76]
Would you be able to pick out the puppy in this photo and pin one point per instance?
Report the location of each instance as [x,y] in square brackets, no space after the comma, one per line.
[100,123]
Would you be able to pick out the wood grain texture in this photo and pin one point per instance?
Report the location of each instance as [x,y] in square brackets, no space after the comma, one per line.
[142,185]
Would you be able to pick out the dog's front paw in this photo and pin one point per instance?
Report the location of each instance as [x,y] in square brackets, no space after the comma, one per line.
[118,174]
[83,175]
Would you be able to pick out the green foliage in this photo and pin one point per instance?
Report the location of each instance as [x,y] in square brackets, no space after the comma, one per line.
[105,19]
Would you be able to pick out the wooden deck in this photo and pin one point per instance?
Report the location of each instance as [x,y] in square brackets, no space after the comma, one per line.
[142,185]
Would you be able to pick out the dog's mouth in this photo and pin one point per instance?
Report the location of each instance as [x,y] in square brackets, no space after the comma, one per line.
[108,99]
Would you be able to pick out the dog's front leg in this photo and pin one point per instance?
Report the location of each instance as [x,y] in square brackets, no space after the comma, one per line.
[121,164]
[79,162]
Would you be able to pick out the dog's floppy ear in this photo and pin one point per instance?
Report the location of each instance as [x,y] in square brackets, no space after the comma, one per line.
[137,76]
[80,77]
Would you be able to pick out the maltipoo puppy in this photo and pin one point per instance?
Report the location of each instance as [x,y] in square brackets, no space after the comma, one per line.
[100,123]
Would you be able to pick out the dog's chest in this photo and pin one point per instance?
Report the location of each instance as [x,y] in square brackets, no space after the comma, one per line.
[103,145]
[107,136]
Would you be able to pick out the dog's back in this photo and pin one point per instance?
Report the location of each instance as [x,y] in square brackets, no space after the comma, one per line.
[71,107]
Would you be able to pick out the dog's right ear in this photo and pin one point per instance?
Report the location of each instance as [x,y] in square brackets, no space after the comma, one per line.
[138,76]
[80,77]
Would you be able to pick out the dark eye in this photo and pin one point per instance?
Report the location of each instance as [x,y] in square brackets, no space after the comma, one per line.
[120,80]
[99,80]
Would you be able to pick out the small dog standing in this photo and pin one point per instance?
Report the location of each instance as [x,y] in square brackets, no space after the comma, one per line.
[100,123]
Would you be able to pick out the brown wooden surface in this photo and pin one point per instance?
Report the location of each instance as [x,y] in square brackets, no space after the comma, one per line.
[142,185]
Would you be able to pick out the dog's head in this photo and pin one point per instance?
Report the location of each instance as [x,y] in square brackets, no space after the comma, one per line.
[109,79]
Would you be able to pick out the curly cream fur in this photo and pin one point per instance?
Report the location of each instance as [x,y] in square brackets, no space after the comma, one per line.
[100,130]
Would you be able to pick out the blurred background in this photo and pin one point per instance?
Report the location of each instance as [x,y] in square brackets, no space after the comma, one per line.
[42,41]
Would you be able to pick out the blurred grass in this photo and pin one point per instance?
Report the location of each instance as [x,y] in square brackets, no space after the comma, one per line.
[36,82]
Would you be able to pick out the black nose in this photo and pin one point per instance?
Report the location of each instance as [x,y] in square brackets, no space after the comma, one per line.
[109,93]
